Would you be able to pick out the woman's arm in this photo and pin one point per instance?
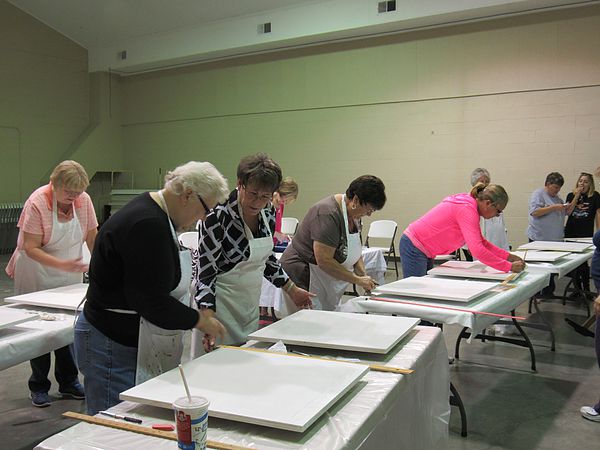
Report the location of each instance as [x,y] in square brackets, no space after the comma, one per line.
[548,209]
[91,238]
[32,245]
[324,256]
[573,202]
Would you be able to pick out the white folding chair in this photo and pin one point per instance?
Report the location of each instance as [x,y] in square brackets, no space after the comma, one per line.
[189,240]
[289,225]
[384,229]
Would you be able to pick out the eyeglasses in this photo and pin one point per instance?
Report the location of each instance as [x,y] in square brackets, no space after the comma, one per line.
[72,193]
[253,195]
[206,208]
[498,210]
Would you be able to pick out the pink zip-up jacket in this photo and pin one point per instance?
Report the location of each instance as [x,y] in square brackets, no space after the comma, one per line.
[449,225]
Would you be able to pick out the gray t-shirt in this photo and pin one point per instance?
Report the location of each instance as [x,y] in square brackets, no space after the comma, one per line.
[324,223]
[549,227]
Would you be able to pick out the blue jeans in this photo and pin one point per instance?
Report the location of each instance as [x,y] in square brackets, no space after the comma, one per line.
[414,262]
[108,368]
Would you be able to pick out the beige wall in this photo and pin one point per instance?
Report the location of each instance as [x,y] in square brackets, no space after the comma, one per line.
[519,96]
[44,100]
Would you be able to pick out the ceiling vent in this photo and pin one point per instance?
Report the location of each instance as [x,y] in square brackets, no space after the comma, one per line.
[389,6]
[264,28]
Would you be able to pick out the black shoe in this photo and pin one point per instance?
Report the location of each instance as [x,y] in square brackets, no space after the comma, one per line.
[40,399]
[75,391]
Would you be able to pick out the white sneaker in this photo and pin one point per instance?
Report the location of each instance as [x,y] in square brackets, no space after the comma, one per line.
[590,413]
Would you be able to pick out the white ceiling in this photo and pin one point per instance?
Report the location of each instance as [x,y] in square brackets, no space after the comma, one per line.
[166,33]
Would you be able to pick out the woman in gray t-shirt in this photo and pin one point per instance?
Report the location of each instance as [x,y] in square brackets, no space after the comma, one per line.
[325,254]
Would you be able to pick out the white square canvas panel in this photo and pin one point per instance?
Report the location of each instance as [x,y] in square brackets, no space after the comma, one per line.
[583,240]
[456,290]
[338,330]
[262,388]
[539,256]
[469,269]
[10,317]
[65,297]
[575,247]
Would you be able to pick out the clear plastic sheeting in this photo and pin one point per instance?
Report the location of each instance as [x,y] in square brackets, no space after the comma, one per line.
[383,410]
[29,340]
[495,301]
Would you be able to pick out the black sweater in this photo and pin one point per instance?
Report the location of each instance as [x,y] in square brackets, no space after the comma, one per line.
[134,266]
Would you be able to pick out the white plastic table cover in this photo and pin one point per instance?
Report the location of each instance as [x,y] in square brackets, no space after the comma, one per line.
[492,302]
[562,266]
[29,340]
[383,411]
[375,267]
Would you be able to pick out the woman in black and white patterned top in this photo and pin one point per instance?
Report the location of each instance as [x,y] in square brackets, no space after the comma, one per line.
[236,250]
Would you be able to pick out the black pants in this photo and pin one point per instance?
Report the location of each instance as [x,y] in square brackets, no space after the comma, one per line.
[65,370]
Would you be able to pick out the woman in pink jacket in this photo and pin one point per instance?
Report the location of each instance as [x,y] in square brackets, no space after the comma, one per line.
[450,225]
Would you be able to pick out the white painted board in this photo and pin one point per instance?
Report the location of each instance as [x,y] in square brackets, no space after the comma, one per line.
[64,297]
[298,390]
[338,330]
[583,240]
[574,247]
[534,255]
[456,290]
[469,270]
[10,317]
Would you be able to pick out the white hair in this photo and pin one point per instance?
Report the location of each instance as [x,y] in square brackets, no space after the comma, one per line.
[201,177]
[477,174]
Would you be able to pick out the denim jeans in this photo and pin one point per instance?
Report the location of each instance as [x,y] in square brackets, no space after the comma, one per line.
[65,370]
[414,262]
[108,368]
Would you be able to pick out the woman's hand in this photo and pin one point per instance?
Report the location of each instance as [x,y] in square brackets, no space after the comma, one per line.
[73,265]
[366,282]
[212,328]
[517,266]
[300,297]
[281,237]
[512,258]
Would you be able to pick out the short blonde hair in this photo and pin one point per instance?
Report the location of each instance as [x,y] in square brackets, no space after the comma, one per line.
[70,175]
[201,177]
[492,192]
[288,188]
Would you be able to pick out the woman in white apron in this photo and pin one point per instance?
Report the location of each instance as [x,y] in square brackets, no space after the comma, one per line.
[138,305]
[40,263]
[236,252]
[325,254]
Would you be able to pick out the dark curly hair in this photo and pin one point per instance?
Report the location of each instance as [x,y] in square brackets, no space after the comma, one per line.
[369,189]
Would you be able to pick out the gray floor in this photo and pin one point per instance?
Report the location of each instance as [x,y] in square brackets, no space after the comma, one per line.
[508,406]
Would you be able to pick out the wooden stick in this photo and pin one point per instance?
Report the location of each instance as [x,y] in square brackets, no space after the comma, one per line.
[374,367]
[472,311]
[144,430]
[508,279]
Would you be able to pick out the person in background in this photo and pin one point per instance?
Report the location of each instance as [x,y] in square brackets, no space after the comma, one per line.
[325,255]
[236,252]
[593,412]
[286,194]
[451,224]
[547,217]
[138,303]
[584,212]
[494,228]
[56,220]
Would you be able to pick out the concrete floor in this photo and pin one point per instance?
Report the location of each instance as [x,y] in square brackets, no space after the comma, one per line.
[508,406]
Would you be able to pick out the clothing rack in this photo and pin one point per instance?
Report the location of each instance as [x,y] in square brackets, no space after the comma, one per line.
[9,216]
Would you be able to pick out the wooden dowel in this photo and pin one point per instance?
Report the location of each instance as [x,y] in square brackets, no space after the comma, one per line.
[144,430]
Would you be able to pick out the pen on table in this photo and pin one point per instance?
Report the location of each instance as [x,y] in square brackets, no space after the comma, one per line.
[118,416]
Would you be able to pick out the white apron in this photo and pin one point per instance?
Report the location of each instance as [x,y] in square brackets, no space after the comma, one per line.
[65,243]
[160,350]
[238,293]
[329,290]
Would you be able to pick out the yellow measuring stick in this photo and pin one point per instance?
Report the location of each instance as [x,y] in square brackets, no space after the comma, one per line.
[374,367]
[143,430]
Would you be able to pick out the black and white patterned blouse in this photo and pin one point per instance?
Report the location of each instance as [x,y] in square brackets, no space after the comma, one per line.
[223,245]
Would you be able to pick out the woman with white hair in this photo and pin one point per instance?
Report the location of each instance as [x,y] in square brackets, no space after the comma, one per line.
[138,302]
